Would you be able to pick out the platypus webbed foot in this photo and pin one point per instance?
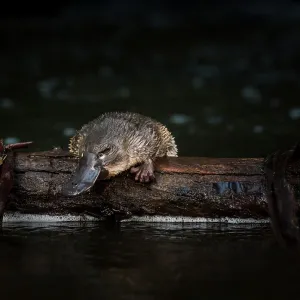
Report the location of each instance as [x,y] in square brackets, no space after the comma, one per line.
[144,172]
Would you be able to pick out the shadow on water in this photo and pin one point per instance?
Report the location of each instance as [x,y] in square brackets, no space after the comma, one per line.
[144,261]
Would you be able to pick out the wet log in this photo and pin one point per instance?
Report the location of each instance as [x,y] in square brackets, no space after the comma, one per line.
[6,172]
[6,183]
[184,187]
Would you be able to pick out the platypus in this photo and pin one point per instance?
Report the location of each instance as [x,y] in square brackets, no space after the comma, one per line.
[115,142]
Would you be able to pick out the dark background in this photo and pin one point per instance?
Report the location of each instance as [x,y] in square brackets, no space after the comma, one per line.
[223,76]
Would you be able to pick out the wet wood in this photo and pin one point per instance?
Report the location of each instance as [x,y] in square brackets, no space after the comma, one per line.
[6,172]
[6,183]
[185,186]
[283,205]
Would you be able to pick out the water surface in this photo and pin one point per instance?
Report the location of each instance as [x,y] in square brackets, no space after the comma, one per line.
[144,261]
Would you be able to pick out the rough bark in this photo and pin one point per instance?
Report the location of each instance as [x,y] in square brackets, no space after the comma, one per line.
[6,183]
[185,186]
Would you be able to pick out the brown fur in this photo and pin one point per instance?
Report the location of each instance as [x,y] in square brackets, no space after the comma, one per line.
[140,138]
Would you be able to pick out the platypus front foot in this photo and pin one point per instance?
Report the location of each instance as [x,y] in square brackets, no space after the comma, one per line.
[144,172]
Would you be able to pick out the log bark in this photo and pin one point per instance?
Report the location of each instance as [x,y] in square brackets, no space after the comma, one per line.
[6,183]
[185,186]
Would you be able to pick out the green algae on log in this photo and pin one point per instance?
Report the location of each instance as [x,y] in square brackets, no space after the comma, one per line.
[185,186]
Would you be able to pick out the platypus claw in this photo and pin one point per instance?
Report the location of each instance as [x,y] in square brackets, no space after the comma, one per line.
[144,172]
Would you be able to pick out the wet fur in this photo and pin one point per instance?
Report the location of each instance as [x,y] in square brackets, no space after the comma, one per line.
[142,139]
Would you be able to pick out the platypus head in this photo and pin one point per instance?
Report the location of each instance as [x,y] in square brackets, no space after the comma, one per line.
[105,156]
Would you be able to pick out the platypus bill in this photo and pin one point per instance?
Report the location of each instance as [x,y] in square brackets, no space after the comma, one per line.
[116,142]
[85,175]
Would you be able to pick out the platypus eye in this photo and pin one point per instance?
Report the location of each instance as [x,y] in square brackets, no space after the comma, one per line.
[102,154]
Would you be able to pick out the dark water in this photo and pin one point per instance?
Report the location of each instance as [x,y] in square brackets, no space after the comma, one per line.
[136,261]
[226,89]
[223,89]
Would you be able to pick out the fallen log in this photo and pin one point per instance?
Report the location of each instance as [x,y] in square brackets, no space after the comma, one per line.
[6,183]
[6,172]
[185,187]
